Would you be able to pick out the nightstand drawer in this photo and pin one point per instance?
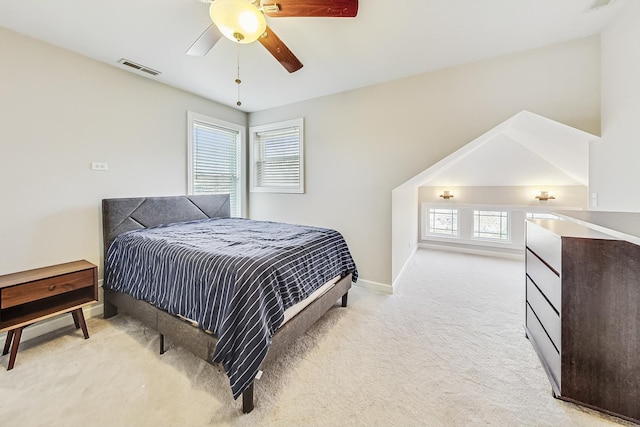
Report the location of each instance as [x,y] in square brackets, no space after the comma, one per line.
[549,319]
[545,279]
[39,289]
[547,352]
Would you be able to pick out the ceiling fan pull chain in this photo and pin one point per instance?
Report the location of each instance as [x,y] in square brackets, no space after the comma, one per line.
[238,81]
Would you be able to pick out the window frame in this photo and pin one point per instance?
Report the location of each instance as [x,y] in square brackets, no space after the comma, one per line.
[253,131]
[507,216]
[427,231]
[465,238]
[240,130]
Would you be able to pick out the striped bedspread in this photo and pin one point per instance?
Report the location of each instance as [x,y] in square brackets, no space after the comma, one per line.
[234,276]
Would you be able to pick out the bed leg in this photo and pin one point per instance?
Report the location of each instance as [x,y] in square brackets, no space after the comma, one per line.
[161,344]
[247,400]
[110,310]
[344,299]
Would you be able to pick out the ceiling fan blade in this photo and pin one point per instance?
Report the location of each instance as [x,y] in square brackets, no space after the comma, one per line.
[205,42]
[280,51]
[319,8]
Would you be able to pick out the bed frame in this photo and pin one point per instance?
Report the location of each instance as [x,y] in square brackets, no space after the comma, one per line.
[126,214]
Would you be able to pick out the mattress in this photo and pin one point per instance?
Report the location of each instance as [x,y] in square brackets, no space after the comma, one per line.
[292,311]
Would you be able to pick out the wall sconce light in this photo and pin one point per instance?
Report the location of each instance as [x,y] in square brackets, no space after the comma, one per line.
[446,194]
[544,195]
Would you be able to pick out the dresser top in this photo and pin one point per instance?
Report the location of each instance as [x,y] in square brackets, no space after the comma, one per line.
[571,229]
[623,225]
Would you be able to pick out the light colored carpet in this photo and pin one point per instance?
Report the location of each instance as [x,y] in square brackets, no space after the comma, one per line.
[448,349]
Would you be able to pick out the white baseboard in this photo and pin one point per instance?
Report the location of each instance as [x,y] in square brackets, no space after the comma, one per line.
[375,286]
[519,255]
[404,267]
[97,309]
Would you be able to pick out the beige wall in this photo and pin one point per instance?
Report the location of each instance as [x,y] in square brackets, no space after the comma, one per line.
[362,144]
[405,228]
[614,171]
[517,200]
[567,196]
[59,112]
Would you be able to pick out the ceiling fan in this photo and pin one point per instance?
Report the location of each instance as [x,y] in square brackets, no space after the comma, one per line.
[243,21]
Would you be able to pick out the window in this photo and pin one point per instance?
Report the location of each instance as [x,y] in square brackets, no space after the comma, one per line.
[215,159]
[443,222]
[473,225]
[491,225]
[277,161]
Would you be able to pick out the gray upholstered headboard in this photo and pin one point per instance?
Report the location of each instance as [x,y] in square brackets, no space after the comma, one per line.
[126,214]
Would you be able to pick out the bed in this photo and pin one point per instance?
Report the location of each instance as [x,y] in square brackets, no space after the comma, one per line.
[230,290]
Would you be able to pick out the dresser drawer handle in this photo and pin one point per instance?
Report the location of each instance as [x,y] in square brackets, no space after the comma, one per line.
[52,287]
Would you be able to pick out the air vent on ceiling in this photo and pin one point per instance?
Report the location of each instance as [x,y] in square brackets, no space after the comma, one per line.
[139,67]
[600,4]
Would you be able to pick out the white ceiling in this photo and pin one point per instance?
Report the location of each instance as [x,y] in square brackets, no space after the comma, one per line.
[527,149]
[386,41]
[502,161]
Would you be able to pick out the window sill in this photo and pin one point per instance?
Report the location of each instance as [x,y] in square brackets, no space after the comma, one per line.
[470,242]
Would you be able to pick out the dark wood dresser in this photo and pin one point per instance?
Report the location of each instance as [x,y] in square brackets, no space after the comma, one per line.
[30,296]
[583,312]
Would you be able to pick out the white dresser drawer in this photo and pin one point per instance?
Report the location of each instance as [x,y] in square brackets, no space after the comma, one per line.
[545,279]
[545,244]
[549,319]
[547,352]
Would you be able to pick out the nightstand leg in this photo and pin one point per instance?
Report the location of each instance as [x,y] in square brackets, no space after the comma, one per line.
[75,320]
[7,342]
[78,319]
[14,348]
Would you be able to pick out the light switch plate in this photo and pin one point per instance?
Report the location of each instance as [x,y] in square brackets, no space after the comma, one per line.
[99,166]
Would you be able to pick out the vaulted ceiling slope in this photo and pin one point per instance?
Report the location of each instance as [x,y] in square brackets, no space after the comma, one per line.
[527,149]
[385,41]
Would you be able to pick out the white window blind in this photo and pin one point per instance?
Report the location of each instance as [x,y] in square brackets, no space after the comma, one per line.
[277,157]
[215,161]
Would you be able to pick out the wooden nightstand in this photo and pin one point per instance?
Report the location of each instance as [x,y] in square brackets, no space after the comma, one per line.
[30,296]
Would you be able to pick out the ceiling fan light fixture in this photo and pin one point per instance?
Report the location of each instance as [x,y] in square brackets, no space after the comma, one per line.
[238,20]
